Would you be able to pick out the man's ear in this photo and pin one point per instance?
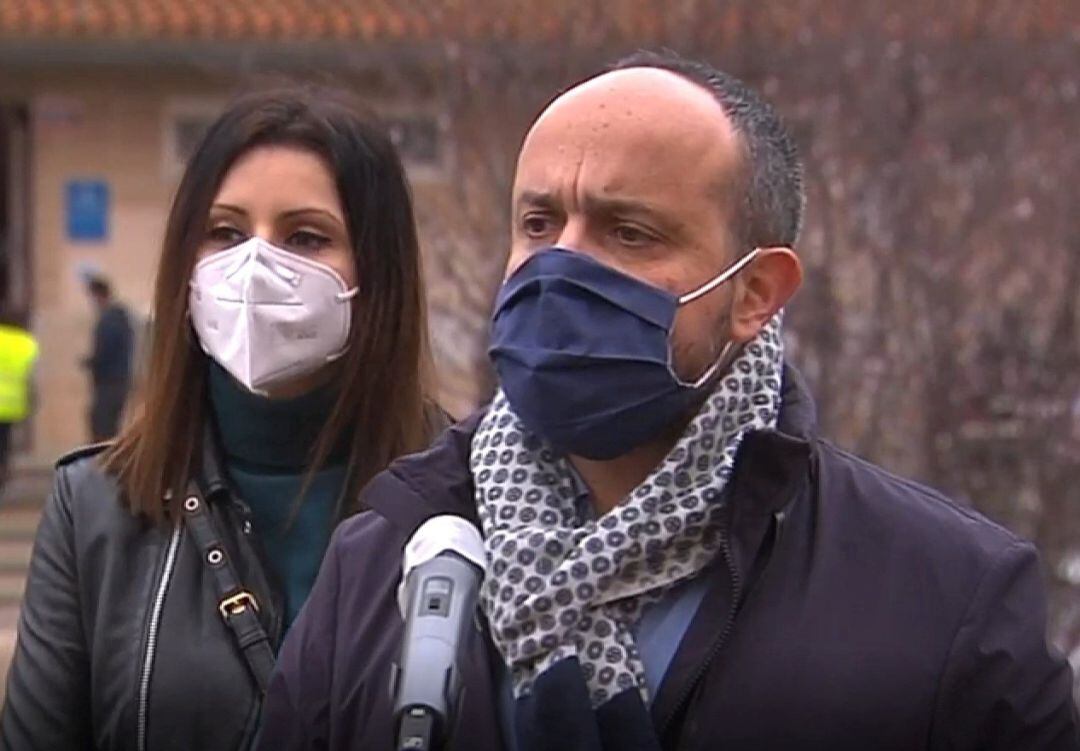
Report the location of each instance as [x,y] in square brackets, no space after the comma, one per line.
[763,288]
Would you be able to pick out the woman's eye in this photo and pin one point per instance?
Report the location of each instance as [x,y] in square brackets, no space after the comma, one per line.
[224,236]
[307,241]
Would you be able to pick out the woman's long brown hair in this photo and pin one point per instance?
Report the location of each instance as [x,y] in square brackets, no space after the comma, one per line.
[383,405]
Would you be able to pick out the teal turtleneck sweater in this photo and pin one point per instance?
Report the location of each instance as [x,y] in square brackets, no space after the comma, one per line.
[266,445]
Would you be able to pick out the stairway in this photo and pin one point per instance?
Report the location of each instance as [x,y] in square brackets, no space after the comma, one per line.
[20,510]
[17,526]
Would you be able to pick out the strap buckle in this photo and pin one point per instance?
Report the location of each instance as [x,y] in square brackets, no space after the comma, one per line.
[237,604]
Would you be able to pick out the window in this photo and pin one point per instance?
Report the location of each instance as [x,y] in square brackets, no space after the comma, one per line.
[416,138]
[419,138]
[188,131]
[186,122]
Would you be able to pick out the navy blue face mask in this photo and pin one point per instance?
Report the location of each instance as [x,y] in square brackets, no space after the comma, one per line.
[583,353]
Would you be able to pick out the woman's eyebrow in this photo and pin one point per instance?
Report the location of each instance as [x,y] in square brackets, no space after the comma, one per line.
[228,207]
[311,210]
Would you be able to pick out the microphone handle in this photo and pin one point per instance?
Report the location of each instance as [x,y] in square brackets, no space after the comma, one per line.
[426,684]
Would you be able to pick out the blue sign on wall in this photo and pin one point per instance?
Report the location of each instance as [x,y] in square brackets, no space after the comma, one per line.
[87,210]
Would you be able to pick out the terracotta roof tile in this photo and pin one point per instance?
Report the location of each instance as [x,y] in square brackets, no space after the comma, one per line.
[560,21]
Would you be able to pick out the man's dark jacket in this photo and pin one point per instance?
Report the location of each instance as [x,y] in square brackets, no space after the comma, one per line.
[113,346]
[850,609]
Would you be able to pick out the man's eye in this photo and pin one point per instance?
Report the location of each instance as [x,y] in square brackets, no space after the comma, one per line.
[630,235]
[307,241]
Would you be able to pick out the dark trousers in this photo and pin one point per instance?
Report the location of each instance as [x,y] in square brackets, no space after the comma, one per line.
[5,452]
[106,407]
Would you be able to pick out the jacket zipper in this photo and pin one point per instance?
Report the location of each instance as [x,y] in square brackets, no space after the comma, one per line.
[736,591]
[725,633]
[155,624]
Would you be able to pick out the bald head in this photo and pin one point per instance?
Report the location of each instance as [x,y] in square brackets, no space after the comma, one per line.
[651,103]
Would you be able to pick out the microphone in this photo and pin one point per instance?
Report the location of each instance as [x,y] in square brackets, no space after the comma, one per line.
[443,566]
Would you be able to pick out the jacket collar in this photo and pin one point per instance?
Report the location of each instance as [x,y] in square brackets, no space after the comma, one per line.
[433,482]
[798,413]
[772,466]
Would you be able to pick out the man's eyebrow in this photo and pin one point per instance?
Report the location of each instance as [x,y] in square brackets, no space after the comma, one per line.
[541,198]
[595,204]
[592,203]
[657,216]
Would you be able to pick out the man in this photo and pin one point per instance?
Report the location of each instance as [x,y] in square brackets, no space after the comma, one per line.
[675,559]
[18,352]
[109,362]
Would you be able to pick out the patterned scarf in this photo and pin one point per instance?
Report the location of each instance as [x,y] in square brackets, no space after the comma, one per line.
[559,586]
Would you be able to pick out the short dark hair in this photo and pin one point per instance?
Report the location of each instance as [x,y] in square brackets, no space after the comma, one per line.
[772,213]
[99,287]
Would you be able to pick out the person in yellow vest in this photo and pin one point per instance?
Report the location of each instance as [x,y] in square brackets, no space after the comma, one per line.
[18,351]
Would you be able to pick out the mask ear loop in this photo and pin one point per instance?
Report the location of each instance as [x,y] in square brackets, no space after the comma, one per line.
[721,360]
[343,297]
[724,276]
[724,359]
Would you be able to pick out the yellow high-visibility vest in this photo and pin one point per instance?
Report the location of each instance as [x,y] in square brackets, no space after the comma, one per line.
[18,350]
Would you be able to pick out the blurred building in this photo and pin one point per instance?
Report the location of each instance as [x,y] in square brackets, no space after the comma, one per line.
[939,326]
[102,101]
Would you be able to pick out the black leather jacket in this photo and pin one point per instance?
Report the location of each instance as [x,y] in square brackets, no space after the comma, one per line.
[121,643]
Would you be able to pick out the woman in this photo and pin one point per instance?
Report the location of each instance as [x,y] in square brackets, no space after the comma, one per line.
[288,367]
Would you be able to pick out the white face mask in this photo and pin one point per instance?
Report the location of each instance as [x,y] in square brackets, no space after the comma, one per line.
[268,315]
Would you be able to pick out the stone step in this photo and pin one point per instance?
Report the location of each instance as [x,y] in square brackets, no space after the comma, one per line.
[9,616]
[11,588]
[18,525]
[15,555]
[19,522]
[26,488]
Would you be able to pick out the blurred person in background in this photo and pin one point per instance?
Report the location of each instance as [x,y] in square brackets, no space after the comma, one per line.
[109,362]
[289,365]
[18,352]
[675,558]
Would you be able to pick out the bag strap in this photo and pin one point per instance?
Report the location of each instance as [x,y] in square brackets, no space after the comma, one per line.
[238,607]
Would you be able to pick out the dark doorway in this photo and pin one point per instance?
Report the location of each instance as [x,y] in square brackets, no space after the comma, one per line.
[16,268]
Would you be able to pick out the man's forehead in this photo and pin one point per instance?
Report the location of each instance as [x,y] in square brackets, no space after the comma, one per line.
[630,86]
[645,120]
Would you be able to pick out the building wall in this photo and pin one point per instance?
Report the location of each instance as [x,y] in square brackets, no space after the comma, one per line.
[113,126]
[108,127]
